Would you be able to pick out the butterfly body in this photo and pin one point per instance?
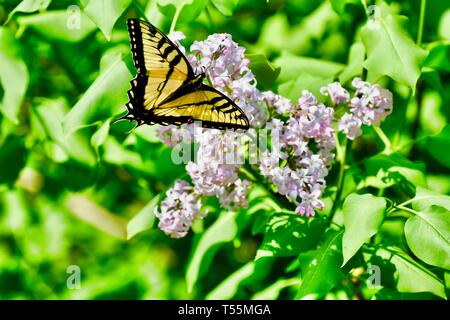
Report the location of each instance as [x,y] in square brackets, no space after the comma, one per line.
[167,91]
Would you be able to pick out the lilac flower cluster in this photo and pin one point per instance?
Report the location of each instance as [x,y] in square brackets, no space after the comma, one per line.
[303,137]
[370,105]
[301,177]
[180,207]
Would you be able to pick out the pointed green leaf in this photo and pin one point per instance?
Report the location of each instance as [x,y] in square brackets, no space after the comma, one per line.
[428,236]
[426,198]
[13,75]
[103,98]
[363,215]
[143,220]
[323,271]
[104,13]
[289,234]
[390,49]
[222,231]
[355,63]
[273,291]
[58,25]
[404,273]
[264,71]
[29,6]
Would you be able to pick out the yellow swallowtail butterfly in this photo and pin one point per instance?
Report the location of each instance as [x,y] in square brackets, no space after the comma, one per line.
[166,89]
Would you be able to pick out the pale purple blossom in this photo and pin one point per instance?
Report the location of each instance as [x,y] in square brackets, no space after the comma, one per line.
[176,37]
[336,92]
[180,207]
[371,103]
[350,125]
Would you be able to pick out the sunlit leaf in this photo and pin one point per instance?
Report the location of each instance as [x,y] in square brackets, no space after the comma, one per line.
[355,63]
[390,49]
[428,236]
[13,75]
[143,220]
[290,234]
[103,98]
[264,71]
[222,231]
[29,6]
[405,274]
[247,274]
[58,25]
[323,272]
[105,13]
[363,215]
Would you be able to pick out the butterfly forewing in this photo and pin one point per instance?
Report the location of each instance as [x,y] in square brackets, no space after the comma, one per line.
[159,60]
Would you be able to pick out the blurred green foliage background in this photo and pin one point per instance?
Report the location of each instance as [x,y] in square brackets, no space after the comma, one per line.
[70,185]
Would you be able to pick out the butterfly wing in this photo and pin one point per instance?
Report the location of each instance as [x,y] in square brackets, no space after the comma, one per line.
[166,90]
[203,103]
[162,67]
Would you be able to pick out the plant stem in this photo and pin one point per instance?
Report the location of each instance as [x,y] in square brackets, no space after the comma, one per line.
[423,4]
[414,212]
[384,138]
[366,9]
[341,151]
[175,17]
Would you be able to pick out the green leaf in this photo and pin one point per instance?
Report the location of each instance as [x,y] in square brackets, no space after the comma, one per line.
[433,79]
[92,213]
[292,66]
[58,25]
[355,63]
[272,292]
[226,7]
[289,234]
[29,6]
[404,273]
[340,6]
[16,214]
[13,75]
[426,198]
[444,25]
[250,273]
[222,231]
[13,155]
[103,98]
[143,220]
[436,144]
[363,215]
[387,170]
[105,13]
[293,89]
[323,271]
[264,71]
[390,49]
[51,114]
[439,56]
[428,236]
[190,11]
[277,35]
[99,137]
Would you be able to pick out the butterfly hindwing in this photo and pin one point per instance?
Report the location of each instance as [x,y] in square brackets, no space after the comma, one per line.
[205,104]
[166,90]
